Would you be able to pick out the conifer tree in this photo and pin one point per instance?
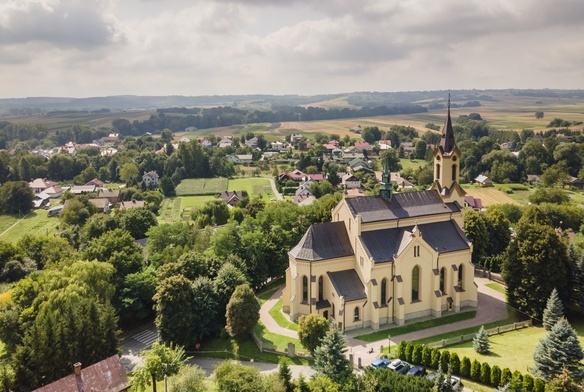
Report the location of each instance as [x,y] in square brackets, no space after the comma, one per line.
[554,310]
[286,376]
[558,350]
[481,341]
[329,357]
[243,311]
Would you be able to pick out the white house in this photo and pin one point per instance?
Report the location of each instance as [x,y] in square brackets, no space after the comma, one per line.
[350,181]
[150,179]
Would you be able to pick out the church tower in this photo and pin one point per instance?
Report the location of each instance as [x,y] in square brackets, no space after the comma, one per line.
[385,187]
[447,165]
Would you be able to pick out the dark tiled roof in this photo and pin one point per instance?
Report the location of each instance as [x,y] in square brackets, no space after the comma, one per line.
[402,205]
[382,245]
[323,241]
[348,284]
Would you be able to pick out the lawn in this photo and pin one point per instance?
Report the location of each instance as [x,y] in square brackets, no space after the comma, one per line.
[498,287]
[414,164]
[201,186]
[396,331]
[491,195]
[170,210]
[253,187]
[12,228]
[276,313]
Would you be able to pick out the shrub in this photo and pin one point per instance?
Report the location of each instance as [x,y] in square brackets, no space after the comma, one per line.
[417,354]
[517,378]
[401,350]
[505,376]
[427,356]
[485,373]
[465,367]
[455,364]
[475,371]
[435,358]
[409,351]
[538,385]
[527,382]
[444,360]
[495,376]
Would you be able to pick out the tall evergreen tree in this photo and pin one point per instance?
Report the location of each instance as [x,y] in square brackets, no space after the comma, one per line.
[553,311]
[558,350]
[480,342]
[329,357]
[243,311]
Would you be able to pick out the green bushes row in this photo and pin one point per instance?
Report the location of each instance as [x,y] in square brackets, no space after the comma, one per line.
[483,373]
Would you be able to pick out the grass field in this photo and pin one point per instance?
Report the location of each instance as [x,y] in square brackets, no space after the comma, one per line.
[490,196]
[414,164]
[276,313]
[201,186]
[498,287]
[253,187]
[12,228]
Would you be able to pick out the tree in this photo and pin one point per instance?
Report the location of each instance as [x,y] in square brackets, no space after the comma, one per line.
[137,221]
[480,342]
[553,311]
[539,115]
[16,197]
[475,228]
[563,383]
[243,311]
[311,330]
[286,376]
[329,357]
[159,361]
[392,160]
[475,370]
[214,212]
[495,376]
[136,296]
[129,173]
[189,379]
[167,186]
[232,376]
[560,349]
[545,195]
[228,278]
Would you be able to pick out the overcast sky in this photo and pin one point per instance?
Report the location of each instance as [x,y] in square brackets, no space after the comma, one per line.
[84,48]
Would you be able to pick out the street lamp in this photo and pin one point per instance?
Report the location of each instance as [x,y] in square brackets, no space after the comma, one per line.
[389,345]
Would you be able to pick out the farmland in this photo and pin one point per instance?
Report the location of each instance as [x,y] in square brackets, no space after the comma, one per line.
[12,228]
[201,186]
[490,196]
[253,187]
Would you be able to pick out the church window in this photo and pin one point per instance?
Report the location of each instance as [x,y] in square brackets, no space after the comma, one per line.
[417,251]
[460,277]
[349,224]
[442,280]
[334,315]
[356,314]
[320,288]
[453,172]
[304,289]
[438,171]
[361,261]
[416,284]
[383,291]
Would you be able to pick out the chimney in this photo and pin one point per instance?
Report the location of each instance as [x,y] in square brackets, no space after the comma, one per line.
[77,368]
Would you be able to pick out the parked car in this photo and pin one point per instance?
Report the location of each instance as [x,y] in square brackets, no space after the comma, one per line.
[418,371]
[380,363]
[399,366]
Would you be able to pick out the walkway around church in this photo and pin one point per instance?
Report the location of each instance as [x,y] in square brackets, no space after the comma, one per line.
[491,307]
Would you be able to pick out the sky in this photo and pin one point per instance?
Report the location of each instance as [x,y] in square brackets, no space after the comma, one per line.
[87,48]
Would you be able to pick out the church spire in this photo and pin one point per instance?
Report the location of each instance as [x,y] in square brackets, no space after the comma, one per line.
[447,143]
[385,187]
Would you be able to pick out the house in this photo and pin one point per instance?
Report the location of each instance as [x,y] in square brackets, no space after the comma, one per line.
[96,182]
[223,143]
[101,205]
[231,197]
[533,178]
[112,195]
[387,259]
[206,143]
[483,180]
[400,181]
[295,138]
[313,177]
[55,211]
[81,189]
[471,202]
[349,181]
[108,152]
[573,182]
[384,145]
[359,164]
[355,192]
[105,376]
[295,175]
[111,138]
[363,146]
[41,200]
[128,205]
[276,146]
[39,185]
[304,189]
[150,179]
[54,192]
[251,143]
[407,147]
[304,200]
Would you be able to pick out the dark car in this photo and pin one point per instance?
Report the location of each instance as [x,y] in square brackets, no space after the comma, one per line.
[399,366]
[418,371]
[380,363]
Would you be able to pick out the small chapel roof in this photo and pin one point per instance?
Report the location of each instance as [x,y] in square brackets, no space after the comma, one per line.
[402,205]
[347,284]
[384,245]
[323,241]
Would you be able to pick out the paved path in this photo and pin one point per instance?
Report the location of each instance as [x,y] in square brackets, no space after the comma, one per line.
[491,308]
[134,342]
[209,364]
[275,190]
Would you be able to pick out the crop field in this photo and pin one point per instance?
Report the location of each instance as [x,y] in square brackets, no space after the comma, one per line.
[253,187]
[12,228]
[174,209]
[490,196]
[201,186]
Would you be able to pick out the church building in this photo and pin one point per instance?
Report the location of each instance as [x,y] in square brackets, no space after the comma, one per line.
[388,258]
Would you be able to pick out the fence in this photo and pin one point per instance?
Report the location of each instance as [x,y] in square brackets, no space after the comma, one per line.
[468,337]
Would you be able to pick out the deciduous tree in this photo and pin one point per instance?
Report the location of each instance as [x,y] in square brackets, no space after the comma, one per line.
[243,311]
[311,330]
[159,361]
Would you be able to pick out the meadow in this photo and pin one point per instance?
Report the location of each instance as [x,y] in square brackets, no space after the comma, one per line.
[12,228]
[201,186]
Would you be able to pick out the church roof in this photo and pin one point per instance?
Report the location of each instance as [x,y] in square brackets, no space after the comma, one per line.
[384,245]
[447,144]
[323,241]
[402,205]
[347,284]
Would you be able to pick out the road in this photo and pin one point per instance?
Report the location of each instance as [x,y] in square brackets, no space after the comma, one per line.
[275,190]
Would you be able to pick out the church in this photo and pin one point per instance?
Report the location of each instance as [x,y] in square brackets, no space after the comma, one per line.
[388,258]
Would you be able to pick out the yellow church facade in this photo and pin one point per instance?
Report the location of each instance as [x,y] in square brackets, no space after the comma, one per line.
[387,258]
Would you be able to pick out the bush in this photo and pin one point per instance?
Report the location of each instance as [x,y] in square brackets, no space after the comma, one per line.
[417,354]
[517,378]
[435,358]
[475,371]
[409,351]
[454,364]
[527,382]
[444,360]
[485,373]
[495,376]
[401,350]
[465,367]
[427,356]
[506,376]
[538,385]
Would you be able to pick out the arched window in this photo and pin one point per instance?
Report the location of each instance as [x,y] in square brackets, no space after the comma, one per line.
[453,172]
[320,288]
[334,315]
[460,277]
[438,171]
[442,280]
[383,291]
[304,289]
[356,314]
[416,284]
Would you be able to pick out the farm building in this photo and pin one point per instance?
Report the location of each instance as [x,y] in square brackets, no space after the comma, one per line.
[483,180]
